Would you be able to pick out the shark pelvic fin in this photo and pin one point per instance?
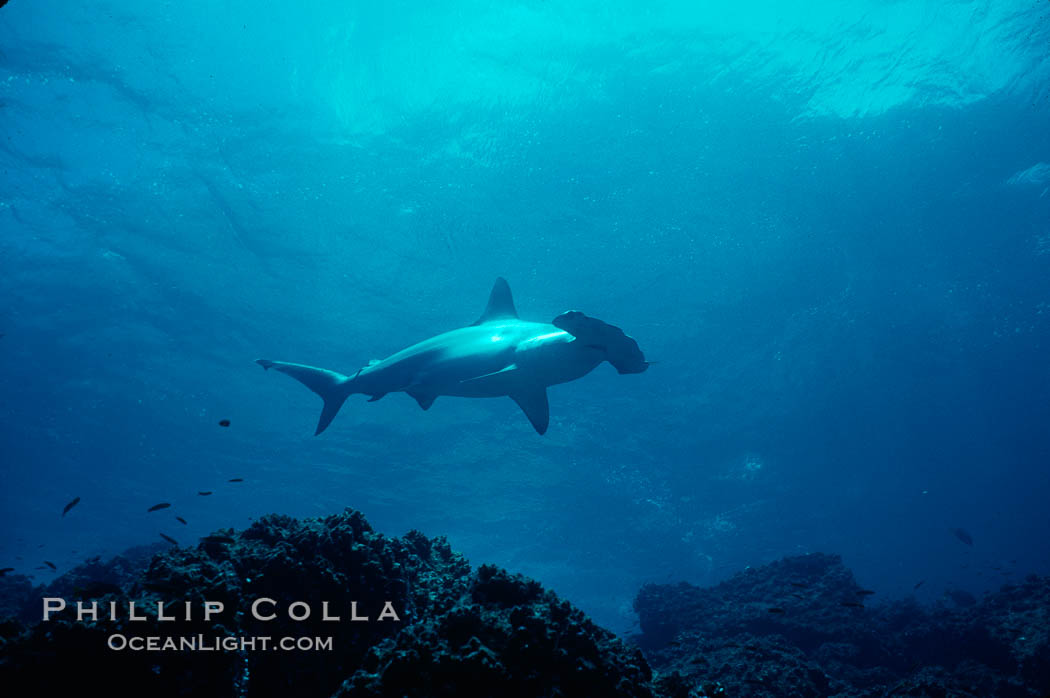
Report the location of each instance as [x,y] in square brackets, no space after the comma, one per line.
[333,387]
[425,400]
[501,304]
[535,406]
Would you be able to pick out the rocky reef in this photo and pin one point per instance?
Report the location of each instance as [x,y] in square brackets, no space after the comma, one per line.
[414,619]
[457,631]
[804,627]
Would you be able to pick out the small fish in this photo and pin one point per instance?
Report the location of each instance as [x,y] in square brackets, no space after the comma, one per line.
[169,539]
[865,592]
[180,520]
[851,604]
[50,564]
[40,567]
[775,609]
[204,494]
[918,584]
[962,535]
[69,506]
[158,507]
[5,570]
[217,539]
[800,585]
[236,479]
[224,422]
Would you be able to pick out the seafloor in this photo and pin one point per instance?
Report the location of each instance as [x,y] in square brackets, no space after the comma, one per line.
[798,627]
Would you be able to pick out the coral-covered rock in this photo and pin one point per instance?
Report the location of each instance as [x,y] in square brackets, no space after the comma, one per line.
[434,626]
[505,636]
[17,597]
[801,627]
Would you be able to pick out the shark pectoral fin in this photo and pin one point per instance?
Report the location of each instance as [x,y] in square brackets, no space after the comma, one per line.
[505,369]
[535,406]
[425,400]
[333,387]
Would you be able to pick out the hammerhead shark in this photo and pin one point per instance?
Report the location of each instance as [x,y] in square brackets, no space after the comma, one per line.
[497,355]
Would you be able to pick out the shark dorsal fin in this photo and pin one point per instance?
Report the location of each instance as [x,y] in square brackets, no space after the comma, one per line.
[501,305]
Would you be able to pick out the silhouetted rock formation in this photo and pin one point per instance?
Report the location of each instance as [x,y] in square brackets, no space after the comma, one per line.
[459,631]
[800,627]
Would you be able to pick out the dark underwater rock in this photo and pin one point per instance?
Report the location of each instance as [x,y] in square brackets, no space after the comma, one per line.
[457,631]
[16,593]
[824,641]
[798,627]
[94,577]
[20,600]
[507,637]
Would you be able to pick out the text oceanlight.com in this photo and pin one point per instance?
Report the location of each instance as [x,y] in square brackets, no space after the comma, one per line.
[215,643]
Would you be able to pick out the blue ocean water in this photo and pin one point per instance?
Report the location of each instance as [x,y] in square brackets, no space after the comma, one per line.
[829,224]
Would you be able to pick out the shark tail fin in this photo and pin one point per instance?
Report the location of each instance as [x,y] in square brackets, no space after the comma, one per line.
[333,387]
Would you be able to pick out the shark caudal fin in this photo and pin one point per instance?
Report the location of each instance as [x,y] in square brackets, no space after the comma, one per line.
[333,387]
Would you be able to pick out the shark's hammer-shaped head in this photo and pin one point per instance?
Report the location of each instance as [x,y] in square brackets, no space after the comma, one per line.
[618,349]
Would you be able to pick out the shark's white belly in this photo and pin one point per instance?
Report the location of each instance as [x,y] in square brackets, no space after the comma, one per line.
[492,360]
